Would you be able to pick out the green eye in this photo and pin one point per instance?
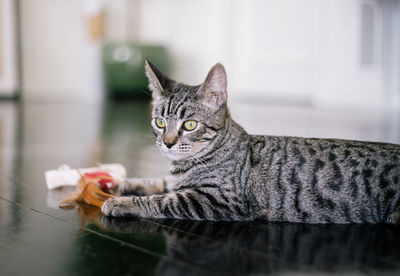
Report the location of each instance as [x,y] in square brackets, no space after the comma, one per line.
[189,125]
[160,122]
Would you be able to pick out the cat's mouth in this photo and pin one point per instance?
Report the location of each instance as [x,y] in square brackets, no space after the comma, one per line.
[175,155]
[177,152]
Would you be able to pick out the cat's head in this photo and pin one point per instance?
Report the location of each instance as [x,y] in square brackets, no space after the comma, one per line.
[187,119]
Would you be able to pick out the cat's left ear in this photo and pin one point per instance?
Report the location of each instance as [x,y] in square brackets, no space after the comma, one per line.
[213,91]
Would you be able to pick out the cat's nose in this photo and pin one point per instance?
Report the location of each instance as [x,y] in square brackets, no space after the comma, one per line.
[170,140]
[169,145]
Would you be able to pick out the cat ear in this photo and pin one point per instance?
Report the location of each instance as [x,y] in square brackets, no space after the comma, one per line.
[213,92]
[158,82]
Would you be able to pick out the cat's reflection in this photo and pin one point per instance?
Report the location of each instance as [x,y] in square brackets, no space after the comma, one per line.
[258,247]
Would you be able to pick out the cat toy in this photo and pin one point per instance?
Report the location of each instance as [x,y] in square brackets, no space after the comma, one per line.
[94,185]
[93,189]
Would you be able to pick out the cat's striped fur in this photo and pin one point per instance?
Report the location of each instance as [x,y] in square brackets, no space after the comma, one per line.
[219,172]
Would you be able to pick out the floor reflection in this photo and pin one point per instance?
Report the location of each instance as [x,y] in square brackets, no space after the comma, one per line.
[243,248]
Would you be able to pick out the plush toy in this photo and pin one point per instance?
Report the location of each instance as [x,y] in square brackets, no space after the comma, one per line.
[93,188]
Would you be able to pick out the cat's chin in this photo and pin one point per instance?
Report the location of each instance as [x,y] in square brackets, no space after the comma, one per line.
[175,156]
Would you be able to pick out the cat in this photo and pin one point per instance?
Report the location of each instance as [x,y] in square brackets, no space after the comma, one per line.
[220,172]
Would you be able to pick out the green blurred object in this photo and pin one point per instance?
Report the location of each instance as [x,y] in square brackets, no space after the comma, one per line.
[124,68]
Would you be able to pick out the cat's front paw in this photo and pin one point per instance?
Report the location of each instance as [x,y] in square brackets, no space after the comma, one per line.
[117,207]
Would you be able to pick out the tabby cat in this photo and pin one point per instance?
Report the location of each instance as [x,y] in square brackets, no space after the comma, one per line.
[220,172]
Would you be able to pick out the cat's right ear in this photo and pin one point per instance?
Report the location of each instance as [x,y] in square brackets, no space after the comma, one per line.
[158,82]
[212,92]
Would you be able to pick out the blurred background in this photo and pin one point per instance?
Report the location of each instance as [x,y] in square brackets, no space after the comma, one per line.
[332,53]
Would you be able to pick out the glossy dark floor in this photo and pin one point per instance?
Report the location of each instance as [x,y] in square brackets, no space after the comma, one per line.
[37,238]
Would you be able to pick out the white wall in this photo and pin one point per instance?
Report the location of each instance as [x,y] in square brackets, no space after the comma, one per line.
[342,80]
[274,48]
[58,62]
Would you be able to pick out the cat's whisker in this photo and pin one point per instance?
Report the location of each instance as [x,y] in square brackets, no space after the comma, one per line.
[202,161]
[151,148]
[198,159]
